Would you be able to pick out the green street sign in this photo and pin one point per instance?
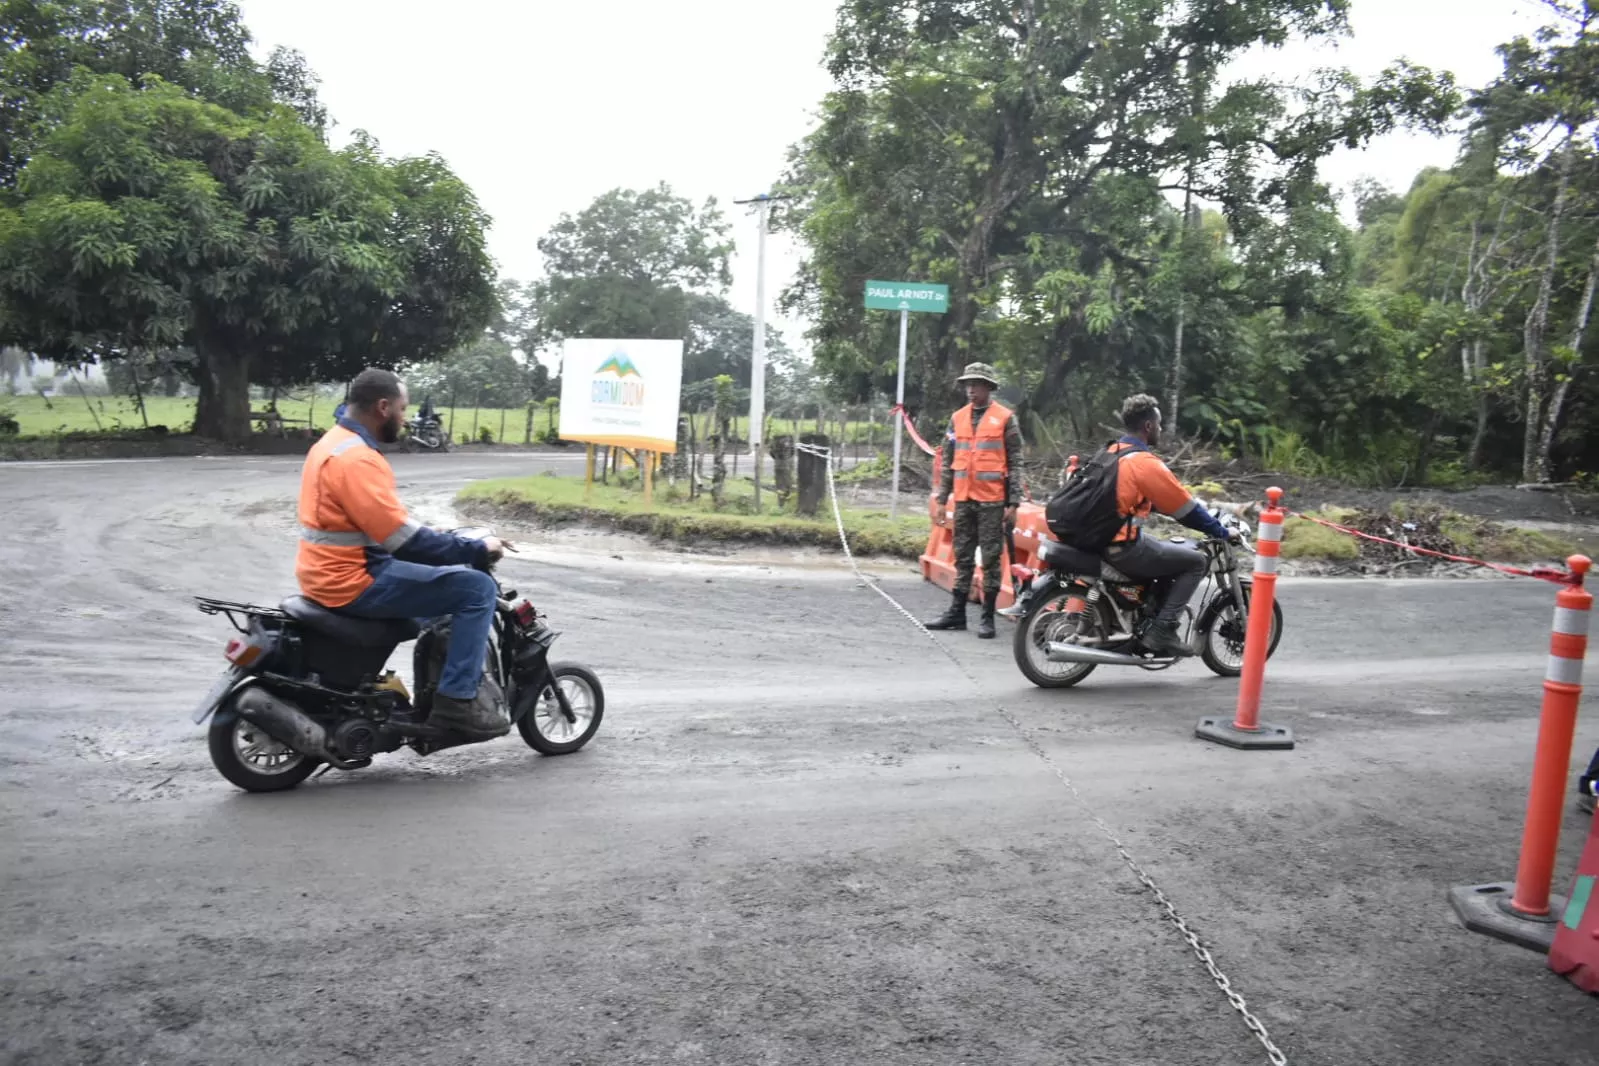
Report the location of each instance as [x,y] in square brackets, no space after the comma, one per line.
[907,296]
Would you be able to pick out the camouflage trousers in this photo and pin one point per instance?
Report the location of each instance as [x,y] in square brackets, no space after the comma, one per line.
[979,525]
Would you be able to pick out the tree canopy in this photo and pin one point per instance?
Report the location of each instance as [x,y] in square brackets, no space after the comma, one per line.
[1114,214]
[149,216]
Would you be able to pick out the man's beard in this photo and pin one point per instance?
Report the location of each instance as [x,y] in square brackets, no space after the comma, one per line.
[391,430]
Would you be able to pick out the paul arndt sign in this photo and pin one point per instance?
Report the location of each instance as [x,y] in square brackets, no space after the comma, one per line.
[621,392]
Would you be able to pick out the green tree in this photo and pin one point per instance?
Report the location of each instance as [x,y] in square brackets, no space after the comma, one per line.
[631,264]
[151,219]
[1022,153]
[201,45]
[1542,114]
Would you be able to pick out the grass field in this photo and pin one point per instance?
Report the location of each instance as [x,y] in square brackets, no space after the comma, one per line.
[67,412]
[38,416]
[553,499]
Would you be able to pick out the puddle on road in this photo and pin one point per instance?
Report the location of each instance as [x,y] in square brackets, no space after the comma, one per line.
[598,549]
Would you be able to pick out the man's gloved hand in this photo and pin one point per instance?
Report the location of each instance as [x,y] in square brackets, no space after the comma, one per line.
[1010,515]
[497,548]
[1235,536]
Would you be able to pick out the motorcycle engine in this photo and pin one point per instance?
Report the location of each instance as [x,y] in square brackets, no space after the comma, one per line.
[357,738]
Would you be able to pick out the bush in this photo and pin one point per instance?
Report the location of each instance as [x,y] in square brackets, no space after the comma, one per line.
[9,426]
[485,435]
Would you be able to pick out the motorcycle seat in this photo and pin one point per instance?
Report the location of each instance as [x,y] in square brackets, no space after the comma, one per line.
[1067,559]
[348,629]
[1070,560]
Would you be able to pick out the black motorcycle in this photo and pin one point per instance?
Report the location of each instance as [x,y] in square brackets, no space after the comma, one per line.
[1080,612]
[307,687]
[426,434]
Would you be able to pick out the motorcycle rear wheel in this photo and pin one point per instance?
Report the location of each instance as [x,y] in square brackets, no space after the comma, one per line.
[1037,627]
[545,728]
[243,753]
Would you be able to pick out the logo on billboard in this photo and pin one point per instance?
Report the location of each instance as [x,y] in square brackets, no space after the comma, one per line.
[617,383]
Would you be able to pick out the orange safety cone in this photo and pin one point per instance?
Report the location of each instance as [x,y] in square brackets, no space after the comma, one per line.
[1246,730]
[1525,912]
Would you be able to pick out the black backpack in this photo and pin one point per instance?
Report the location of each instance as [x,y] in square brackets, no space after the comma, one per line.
[1085,514]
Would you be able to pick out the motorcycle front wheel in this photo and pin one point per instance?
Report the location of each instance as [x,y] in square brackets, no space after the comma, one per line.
[1222,640]
[545,727]
[243,753]
[1045,621]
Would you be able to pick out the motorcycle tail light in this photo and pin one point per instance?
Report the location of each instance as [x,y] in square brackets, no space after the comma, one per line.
[242,652]
[525,613]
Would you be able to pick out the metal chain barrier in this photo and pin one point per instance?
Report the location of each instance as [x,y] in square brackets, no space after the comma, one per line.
[1168,909]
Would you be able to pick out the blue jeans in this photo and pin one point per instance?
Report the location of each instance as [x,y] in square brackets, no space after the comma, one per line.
[411,590]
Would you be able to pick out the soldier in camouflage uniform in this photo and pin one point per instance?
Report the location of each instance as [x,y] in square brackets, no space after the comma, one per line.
[982,470]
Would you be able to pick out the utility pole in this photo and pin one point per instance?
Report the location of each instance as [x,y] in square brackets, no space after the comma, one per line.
[763,205]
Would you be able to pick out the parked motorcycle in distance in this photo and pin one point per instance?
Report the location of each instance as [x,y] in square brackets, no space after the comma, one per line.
[1080,612]
[307,687]
[426,435]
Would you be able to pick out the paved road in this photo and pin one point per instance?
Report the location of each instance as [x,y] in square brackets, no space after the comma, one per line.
[799,838]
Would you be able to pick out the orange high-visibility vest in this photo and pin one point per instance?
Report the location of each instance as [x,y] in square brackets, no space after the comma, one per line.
[980,455]
[348,504]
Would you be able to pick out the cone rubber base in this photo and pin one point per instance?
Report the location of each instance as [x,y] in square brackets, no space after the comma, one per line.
[1486,909]
[1266,738]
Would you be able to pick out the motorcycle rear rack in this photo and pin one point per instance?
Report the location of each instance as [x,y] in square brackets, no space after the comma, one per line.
[229,608]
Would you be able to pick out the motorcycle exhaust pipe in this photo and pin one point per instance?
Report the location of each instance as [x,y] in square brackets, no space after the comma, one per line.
[287,724]
[1059,652]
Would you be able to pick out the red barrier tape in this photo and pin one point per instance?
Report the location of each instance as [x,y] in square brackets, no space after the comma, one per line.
[910,427]
[1542,573]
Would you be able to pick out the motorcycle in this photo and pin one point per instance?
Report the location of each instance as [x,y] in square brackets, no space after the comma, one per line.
[1080,612]
[307,687]
[426,434]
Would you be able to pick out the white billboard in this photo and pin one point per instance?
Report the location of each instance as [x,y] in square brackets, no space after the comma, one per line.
[621,392]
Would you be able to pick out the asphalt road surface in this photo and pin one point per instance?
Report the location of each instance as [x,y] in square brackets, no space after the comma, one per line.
[800,836]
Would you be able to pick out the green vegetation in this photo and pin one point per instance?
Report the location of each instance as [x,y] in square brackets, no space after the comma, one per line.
[1435,529]
[1307,542]
[1194,252]
[553,500]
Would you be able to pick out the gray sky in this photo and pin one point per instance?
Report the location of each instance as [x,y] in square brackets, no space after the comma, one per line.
[541,105]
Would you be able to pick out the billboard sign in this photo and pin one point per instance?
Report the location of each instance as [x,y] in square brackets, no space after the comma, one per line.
[621,392]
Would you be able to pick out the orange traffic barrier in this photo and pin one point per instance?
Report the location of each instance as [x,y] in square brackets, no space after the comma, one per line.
[1525,912]
[1246,729]
[1575,951]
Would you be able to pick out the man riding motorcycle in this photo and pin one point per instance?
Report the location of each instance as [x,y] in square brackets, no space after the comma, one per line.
[361,553]
[1143,484]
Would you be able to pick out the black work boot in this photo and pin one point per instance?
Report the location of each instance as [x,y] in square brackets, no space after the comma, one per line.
[954,618]
[1163,639]
[480,717]
[985,625]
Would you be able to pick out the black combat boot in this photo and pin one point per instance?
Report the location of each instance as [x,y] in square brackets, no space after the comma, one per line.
[1163,639]
[985,626]
[955,617]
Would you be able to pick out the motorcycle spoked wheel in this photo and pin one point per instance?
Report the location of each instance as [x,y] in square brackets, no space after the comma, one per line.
[545,728]
[248,757]
[1222,642]
[1046,621]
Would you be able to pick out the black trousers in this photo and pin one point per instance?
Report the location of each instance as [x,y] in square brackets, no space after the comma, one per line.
[1179,568]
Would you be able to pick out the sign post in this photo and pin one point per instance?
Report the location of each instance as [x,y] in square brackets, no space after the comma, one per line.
[904,297]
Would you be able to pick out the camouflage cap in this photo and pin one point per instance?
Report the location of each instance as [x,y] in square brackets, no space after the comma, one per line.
[979,372]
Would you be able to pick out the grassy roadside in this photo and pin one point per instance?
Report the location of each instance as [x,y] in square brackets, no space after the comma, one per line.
[552,500]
